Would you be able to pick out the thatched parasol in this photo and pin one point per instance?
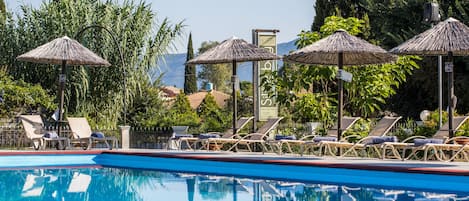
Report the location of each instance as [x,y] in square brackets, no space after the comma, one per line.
[449,37]
[232,51]
[340,49]
[63,51]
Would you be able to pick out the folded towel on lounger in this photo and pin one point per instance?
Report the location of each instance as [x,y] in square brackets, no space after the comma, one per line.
[51,135]
[177,136]
[97,135]
[208,135]
[420,142]
[381,139]
[324,138]
[285,137]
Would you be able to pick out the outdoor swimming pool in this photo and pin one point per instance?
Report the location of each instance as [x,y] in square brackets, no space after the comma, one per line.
[133,184]
[114,177]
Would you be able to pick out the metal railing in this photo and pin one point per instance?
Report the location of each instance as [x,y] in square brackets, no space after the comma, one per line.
[150,138]
[12,135]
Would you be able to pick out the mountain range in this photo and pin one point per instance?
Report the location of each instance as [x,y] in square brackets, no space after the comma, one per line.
[172,68]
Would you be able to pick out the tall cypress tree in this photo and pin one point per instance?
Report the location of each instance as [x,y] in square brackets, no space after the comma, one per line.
[3,11]
[190,79]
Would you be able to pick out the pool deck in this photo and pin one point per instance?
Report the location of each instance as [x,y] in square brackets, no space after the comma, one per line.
[411,166]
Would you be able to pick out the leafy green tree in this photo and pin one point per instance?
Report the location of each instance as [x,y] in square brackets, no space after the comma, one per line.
[353,26]
[315,107]
[311,90]
[190,78]
[91,91]
[218,74]
[246,88]
[370,88]
[213,118]
[392,22]
[20,97]
[420,91]
[341,8]
[182,114]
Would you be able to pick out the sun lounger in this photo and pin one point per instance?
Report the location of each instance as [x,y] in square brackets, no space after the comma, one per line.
[375,137]
[209,140]
[85,137]
[178,132]
[259,137]
[282,141]
[318,141]
[34,129]
[435,145]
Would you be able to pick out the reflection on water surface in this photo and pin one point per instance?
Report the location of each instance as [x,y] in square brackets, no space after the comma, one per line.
[131,184]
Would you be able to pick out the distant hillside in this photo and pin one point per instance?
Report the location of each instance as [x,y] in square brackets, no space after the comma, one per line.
[173,67]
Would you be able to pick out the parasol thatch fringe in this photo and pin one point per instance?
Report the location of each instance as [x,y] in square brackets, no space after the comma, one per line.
[356,51]
[63,49]
[233,49]
[448,36]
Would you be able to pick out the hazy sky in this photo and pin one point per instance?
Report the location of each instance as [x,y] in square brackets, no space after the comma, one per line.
[218,20]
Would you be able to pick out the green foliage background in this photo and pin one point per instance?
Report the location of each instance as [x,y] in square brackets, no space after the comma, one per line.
[92,92]
[312,90]
[20,97]
[391,22]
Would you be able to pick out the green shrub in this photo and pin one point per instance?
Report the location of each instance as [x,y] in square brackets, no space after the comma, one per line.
[21,97]
[213,118]
[182,114]
[405,130]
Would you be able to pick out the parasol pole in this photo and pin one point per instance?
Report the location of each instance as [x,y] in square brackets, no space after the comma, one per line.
[450,69]
[341,96]
[62,79]
[440,91]
[235,102]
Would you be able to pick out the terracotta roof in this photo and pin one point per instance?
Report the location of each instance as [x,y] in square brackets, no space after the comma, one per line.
[196,99]
[171,91]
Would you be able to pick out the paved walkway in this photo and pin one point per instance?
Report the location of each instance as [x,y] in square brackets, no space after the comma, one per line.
[430,167]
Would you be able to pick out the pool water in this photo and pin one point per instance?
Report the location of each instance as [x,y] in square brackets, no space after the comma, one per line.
[121,184]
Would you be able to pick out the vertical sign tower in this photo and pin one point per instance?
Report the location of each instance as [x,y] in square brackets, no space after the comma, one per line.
[264,105]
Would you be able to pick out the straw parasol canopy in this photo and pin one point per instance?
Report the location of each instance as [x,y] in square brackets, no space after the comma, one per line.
[450,37]
[233,50]
[63,51]
[356,51]
[340,49]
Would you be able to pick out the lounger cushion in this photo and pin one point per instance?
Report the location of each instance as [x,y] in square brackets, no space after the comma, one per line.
[177,136]
[97,135]
[420,142]
[285,137]
[320,139]
[51,135]
[208,135]
[382,139]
